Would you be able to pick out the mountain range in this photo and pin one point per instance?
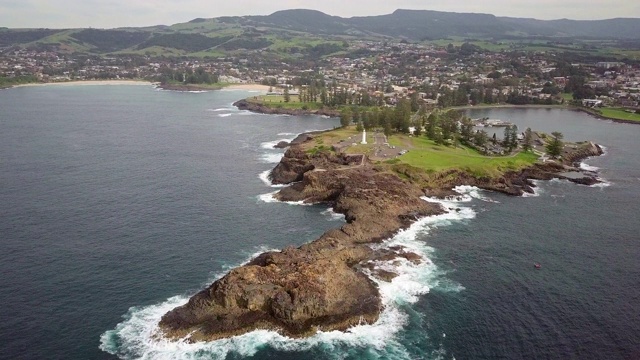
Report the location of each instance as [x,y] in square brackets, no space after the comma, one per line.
[279,31]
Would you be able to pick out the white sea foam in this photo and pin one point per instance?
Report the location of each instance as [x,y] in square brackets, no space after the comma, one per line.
[220,109]
[605,150]
[557,181]
[474,192]
[537,190]
[332,215]
[270,198]
[270,144]
[137,336]
[602,184]
[287,134]
[224,115]
[271,158]
[586,167]
[264,176]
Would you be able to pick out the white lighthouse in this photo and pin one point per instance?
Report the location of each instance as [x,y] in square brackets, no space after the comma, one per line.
[364,137]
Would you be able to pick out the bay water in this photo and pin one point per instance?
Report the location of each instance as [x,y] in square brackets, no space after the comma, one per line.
[119,202]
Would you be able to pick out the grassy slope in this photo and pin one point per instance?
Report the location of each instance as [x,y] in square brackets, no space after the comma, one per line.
[616,113]
[425,154]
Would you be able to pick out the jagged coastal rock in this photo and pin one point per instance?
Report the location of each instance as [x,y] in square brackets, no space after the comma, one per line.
[324,285]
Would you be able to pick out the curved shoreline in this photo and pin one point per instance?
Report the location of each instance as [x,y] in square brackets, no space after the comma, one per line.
[134,82]
[567,107]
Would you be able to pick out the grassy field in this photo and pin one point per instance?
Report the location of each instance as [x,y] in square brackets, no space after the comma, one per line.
[620,114]
[425,154]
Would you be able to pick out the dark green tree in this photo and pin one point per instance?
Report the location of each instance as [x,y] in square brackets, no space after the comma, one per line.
[402,116]
[431,124]
[480,138]
[366,120]
[345,117]
[466,131]
[555,146]
[415,105]
[387,128]
[527,143]
[287,97]
[514,137]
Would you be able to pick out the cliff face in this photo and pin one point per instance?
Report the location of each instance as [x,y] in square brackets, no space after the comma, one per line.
[321,285]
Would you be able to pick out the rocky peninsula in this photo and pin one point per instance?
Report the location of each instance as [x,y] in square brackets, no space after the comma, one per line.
[327,284]
[260,108]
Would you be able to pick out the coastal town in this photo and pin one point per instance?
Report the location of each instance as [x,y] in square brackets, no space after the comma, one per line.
[440,76]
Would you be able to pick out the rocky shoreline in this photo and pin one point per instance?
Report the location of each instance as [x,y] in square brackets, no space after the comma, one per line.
[602,117]
[325,285]
[264,109]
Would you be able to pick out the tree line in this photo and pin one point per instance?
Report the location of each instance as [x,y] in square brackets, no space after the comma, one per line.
[448,128]
[187,76]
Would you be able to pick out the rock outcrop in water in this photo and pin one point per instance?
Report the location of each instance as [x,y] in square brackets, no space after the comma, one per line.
[324,285]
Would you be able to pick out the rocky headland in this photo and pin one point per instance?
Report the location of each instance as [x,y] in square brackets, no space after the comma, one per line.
[326,284]
[266,109]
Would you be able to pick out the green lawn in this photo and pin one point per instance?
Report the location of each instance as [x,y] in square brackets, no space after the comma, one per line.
[616,113]
[425,154]
[567,96]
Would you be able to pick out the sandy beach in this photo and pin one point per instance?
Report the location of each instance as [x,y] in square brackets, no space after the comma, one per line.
[90,82]
[250,87]
[246,87]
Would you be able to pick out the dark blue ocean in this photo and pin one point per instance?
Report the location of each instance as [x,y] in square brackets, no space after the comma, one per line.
[119,202]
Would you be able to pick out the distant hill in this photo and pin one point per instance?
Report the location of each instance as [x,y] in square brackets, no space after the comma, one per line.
[281,32]
[421,24]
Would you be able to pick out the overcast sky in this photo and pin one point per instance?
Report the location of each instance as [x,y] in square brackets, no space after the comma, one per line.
[118,13]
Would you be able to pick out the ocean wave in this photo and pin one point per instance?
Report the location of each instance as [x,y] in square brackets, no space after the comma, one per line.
[537,190]
[264,176]
[224,115]
[604,183]
[586,167]
[270,144]
[137,336]
[270,198]
[332,215]
[271,158]
[220,109]
[474,192]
